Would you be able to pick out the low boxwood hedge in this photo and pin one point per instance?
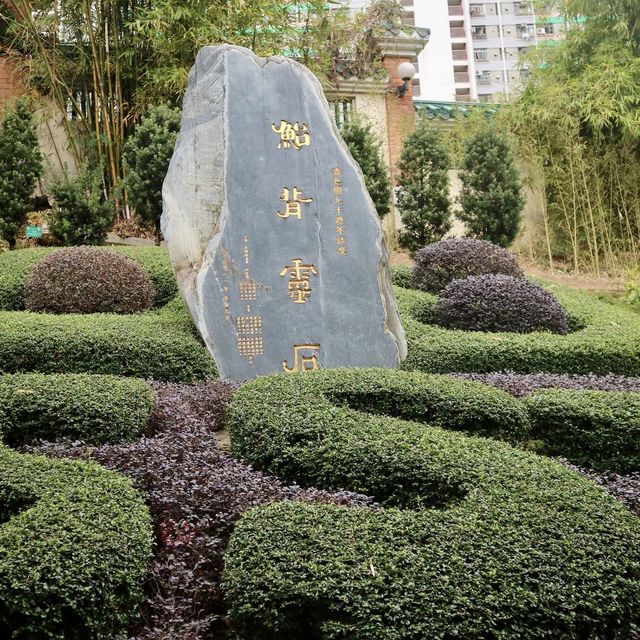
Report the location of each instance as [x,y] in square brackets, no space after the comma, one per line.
[75,541]
[15,267]
[604,339]
[401,275]
[501,543]
[600,429]
[159,345]
[95,409]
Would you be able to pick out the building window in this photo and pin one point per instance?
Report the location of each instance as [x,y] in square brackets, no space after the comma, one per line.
[483,78]
[342,109]
[476,9]
[523,8]
[525,31]
[481,55]
[479,33]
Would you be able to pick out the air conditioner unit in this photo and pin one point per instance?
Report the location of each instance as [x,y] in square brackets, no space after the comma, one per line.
[541,31]
[525,36]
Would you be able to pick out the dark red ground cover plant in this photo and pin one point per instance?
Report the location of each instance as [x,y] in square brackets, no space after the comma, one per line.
[196,492]
[521,384]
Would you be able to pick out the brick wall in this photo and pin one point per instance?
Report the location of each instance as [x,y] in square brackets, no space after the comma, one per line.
[400,114]
[9,85]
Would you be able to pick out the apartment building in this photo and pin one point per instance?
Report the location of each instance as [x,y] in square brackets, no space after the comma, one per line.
[476,46]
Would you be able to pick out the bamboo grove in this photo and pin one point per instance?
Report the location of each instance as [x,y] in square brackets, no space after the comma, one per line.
[578,124]
[102,63]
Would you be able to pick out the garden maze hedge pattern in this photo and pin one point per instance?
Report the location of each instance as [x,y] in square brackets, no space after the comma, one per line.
[603,339]
[476,539]
[75,541]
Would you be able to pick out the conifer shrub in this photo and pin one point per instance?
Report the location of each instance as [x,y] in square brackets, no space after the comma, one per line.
[147,154]
[20,168]
[423,188]
[75,542]
[365,149]
[599,429]
[80,214]
[499,303]
[438,264]
[491,541]
[94,409]
[88,280]
[491,196]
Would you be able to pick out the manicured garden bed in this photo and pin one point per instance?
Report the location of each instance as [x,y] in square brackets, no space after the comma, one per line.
[490,541]
[604,339]
[414,506]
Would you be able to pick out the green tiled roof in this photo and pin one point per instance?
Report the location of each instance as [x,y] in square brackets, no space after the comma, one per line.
[449,110]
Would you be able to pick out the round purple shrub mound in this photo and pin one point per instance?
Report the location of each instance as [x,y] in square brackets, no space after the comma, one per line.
[438,264]
[499,303]
[88,280]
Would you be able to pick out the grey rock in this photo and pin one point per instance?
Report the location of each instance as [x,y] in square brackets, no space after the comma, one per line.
[274,240]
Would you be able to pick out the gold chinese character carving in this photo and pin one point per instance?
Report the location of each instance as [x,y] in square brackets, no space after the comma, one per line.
[294,134]
[299,285]
[248,289]
[294,203]
[303,362]
[342,250]
[249,325]
[250,347]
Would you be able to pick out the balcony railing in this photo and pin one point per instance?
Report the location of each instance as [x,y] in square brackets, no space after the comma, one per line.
[479,35]
[457,32]
[456,11]
[460,54]
[523,10]
[483,80]
[461,77]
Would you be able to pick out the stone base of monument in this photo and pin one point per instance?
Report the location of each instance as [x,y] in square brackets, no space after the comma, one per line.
[276,245]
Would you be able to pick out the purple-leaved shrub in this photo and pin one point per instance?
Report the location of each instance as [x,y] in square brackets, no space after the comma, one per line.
[499,303]
[437,264]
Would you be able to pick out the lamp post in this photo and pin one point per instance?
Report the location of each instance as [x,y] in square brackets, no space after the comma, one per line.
[406,71]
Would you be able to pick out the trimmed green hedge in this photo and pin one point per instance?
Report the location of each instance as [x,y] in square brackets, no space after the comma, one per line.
[15,267]
[502,544]
[75,541]
[605,339]
[159,345]
[600,429]
[95,409]
[401,275]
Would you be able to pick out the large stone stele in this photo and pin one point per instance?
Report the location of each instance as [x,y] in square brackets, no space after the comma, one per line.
[275,242]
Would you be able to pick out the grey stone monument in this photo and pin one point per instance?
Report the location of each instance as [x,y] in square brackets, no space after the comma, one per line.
[274,240]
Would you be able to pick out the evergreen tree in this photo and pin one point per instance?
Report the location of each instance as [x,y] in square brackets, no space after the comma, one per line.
[147,154]
[491,196]
[365,148]
[81,214]
[423,189]
[20,168]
